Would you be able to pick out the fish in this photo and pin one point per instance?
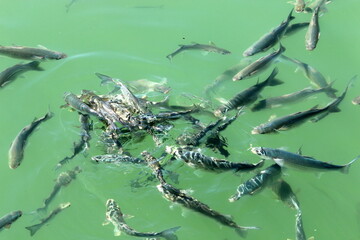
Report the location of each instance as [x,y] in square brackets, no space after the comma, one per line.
[34,228]
[29,53]
[78,147]
[180,196]
[261,180]
[86,128]
[293,28]
[269,39]
[299,5]
[314,76]
[196,46]
[8,219]
[313,32]
[16,151]
[248,96]
[117,159]
[11,73]
[299,228]
[283,190]
[197,159]
[259,65]
[356,100]
[116,217]
[146,86]
[287,98]
[126,95]
[284,159]
[73,101]
[63,180]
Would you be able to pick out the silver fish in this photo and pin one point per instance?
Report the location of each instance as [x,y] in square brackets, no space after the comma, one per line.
[11,73]
[29,53]
[248,96]
[116,217]
[356,100]
[197,46]
[34,228]
[63,180]
[287,98]
[299,6]
[117,159]
[16,151]
[261,180]
[259,65]
[269,39]
[299,228]
[197,159]
[146,86]
[314,76]
[313,32]
[8,219]
[73,101]
[285,158]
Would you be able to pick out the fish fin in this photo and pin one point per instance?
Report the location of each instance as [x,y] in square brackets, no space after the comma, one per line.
[35,66]
[291,17]
[42,47]
[279,161]
[104,79]
[7,226]
[117,232]
[272,117]
[259,105]
[33,229]
[222,100]
[299,151]
[275,82]
[335,109]
[127,216]
[345,169]
[242,231]
[169,234]
[212,43]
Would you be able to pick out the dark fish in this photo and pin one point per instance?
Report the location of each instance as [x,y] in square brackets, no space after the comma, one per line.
[293,28]
[314,76]
[261,180]
[284,158]
[78,147]
[11,73]
[283,190]
[287,98]
[34,228]
[116,217]
[313,32]
[73,101]
[259,65]
[269,39]
[62,180]
[248,96]
[193,158]
[16,151]
[197,46]
[29,53]
[8,219]
[180,196]
[117,159]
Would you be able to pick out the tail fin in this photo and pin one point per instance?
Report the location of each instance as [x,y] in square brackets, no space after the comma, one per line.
[34,228]
[242,231]
[34,65]
[290,17]
[104,79]
[169,234]
[345,169]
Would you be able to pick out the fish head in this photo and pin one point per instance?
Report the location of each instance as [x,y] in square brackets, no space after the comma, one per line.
[258,151]
[256,130]
[60,55]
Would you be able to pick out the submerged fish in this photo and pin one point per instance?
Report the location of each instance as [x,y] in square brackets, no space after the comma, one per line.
[117,159]
[197,159]
[269,39]
[11,73]
[34,228]
[313,32]
[249,95]
[62,180]
[197,46]
[29,53]
[299,5]
[8,219]
[283,190]
[284,158]
[299,228]
[73,101]
[314,76]
[16,151]
[356,100]
[287,98]
[116,217]
[261,180]
[146,86]
[259,65]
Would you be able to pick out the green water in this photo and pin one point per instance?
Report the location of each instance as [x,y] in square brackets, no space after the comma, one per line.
[129,40]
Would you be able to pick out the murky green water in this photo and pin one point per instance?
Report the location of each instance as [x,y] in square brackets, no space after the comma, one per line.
[129,40]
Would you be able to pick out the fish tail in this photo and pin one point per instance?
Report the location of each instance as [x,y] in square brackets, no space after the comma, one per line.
[259,105]
[345,169]
[33,229]
[34,65]
[272,80]
[242,231]
[290,17]
[281,49]
[169,234]
[104,79]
